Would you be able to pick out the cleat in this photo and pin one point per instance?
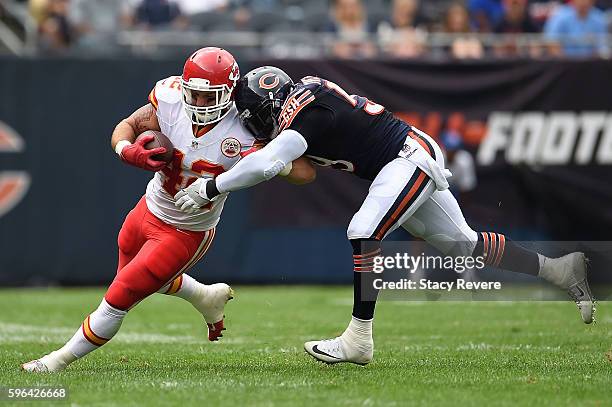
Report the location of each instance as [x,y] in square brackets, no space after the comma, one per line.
[211,304]
[570,273]
[55,361]
[35,366]
[340,350]
[215,331]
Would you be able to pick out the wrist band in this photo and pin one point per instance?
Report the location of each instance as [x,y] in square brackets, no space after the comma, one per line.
[211,189]
[120,145]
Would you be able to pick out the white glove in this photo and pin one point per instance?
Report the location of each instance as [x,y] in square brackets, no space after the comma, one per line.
[192,198]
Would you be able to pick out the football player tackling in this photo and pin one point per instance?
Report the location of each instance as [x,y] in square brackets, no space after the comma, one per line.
[317,118]
[158,243]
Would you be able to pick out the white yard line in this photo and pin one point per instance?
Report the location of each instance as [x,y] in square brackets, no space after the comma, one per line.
[18,333]
[483,346]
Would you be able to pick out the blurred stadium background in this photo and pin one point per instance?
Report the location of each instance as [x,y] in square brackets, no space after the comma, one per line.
[518,92]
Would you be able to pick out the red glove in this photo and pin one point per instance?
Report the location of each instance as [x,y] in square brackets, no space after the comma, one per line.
[137,155]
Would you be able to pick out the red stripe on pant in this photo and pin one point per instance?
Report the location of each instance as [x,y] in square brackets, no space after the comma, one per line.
[405,203]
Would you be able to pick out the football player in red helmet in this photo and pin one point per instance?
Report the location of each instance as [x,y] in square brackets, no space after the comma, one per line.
[212,74]
[158,243]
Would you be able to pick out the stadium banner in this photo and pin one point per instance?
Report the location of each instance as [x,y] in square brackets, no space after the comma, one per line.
[540,133]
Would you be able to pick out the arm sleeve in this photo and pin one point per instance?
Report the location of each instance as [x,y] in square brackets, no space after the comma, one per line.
[263,164]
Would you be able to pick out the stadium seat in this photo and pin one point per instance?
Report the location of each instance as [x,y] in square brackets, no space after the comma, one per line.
[210,20]
[316,20]
[291,45]
[300,3]
[226,26]
[315,5]
[261,21]
[286,26]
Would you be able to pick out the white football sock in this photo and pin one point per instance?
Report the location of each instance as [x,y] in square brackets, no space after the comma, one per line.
[359,330]
[97,329]
[361,327]
[184,286]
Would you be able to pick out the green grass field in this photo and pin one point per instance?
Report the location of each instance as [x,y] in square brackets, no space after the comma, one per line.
[427,353]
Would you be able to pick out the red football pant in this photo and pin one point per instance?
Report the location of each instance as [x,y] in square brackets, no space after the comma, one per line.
[152,254]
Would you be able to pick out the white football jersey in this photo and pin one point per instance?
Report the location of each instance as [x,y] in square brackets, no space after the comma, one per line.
[205,156]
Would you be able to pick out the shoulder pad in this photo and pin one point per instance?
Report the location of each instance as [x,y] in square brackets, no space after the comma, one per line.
[166,91]
[297,100]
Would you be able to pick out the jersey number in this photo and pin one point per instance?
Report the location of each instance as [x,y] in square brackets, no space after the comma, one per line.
[369,107]
[175,181]
[175,82]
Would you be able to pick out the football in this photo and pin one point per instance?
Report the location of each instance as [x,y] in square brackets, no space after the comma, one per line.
[160,140]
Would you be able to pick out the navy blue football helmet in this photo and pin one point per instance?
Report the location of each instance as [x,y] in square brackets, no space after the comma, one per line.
[259,97]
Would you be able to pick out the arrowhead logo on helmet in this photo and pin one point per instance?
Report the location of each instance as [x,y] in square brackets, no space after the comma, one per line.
[13,184]
[234,73]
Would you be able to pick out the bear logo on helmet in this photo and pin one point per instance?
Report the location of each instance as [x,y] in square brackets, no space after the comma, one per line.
[269,84]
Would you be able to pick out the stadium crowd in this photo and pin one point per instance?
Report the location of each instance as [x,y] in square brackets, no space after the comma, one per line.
[342,28]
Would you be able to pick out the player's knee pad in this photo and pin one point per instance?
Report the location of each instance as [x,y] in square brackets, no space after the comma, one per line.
[133,284]
[121,296]
[126,291]
[161,271]
[364,222]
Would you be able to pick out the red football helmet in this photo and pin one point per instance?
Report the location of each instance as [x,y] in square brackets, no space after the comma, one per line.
[213,71]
